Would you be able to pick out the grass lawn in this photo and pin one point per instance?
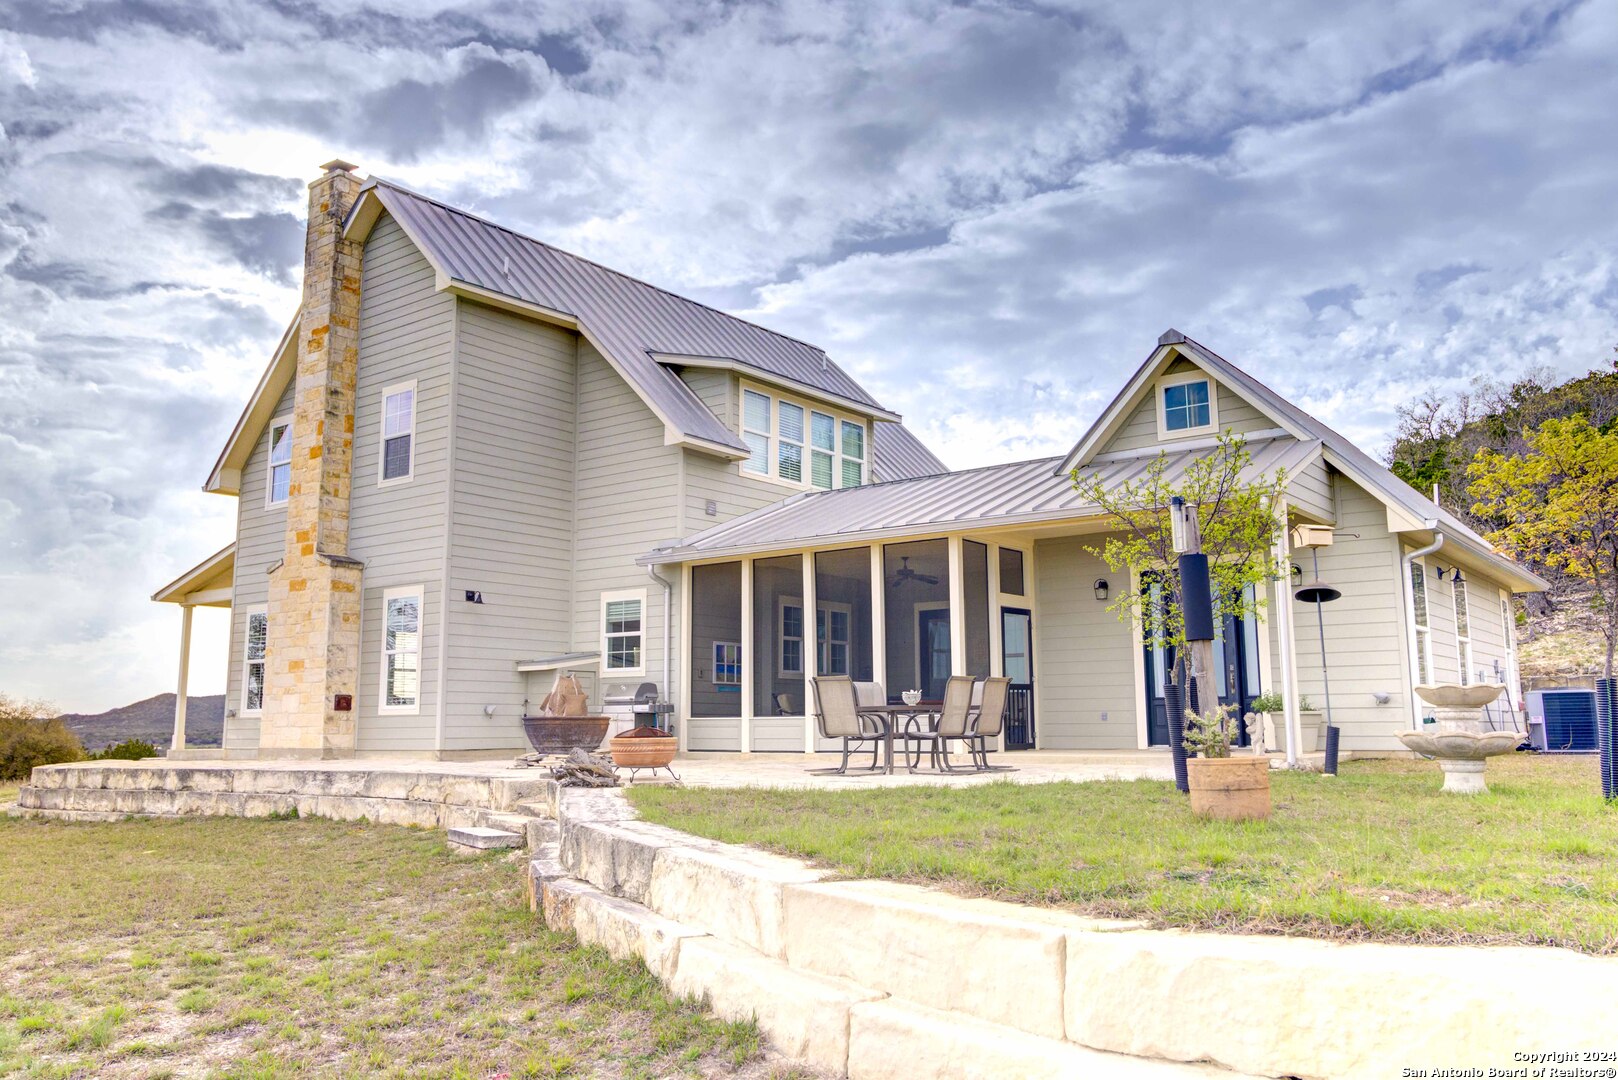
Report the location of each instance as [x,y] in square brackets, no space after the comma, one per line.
[1375,853]
[233,948]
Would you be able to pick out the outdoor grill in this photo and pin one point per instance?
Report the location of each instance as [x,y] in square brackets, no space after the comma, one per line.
[644,705]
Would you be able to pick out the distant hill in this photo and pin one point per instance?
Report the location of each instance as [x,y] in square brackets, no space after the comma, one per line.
[152,720]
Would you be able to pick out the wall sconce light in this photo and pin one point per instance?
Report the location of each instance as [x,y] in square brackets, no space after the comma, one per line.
[1455,577]
[1297,572]
[1101,588]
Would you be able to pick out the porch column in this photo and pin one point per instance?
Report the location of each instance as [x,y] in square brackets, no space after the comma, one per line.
[811,650]
[748,665]
[1283,621]
[997,659]
[879,621]
[684,659]
[177,743]
[957,608]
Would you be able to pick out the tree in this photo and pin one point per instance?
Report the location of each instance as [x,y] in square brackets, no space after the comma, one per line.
[1238,524]
[1555,505]
[30,734]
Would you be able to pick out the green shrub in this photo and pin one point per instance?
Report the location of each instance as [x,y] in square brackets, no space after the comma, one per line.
[128,750]
[27,741]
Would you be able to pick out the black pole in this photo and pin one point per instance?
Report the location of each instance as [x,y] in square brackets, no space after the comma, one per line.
[1332,732]
[1174,707]
[1607,735]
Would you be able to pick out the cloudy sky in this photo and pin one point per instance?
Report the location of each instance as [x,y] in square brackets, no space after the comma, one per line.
[987,212]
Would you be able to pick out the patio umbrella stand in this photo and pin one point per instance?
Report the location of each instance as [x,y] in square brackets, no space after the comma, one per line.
[1317,592]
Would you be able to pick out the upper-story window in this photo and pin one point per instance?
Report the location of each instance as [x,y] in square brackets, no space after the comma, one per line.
[280,479]
[398,433]
[801,444]
[1186,405]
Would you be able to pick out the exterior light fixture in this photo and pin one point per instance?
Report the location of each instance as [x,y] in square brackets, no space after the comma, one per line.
[1182,526]
[1455,577]
[1101,588]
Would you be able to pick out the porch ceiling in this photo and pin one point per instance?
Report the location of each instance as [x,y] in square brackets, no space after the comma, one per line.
[208,584]
[998,496]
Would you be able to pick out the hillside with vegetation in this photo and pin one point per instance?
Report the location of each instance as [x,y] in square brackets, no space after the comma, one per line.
[1441,435]
[151,720]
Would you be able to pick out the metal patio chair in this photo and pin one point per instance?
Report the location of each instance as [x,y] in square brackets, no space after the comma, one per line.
[837,716]
[988,721]
[954,725]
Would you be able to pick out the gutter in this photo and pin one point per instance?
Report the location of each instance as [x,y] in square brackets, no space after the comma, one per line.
[1405,562]
[668,624]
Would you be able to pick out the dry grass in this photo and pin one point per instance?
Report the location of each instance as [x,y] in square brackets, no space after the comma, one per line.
[1375,853]
[233,948]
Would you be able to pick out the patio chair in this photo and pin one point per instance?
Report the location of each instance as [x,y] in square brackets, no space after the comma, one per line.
[988,720]
[873,704]
[954,725]
[837,716]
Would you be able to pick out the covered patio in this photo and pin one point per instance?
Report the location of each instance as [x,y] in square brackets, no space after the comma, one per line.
[208,584]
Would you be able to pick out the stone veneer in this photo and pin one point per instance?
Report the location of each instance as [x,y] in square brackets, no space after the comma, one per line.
[313,651]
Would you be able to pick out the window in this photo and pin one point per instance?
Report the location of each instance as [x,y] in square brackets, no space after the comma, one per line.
[280,461]
[398,432]
[1011,572]
[401,650]
[1418,606]
[791,623]
[1463,630]
[801,445]
[727,663]
[831,632]
[258,637]
[622,617]
[1185,406]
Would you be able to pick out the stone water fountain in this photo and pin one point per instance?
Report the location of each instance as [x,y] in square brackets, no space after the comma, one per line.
[1460,740]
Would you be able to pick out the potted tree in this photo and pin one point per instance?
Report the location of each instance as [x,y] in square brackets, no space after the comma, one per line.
[1224,786]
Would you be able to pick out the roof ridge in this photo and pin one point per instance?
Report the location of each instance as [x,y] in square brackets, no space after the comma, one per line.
[480,219]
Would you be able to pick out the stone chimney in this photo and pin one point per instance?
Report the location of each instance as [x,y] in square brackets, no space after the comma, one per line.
[313,653]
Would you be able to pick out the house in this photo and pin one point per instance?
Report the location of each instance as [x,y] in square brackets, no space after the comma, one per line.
[476,461]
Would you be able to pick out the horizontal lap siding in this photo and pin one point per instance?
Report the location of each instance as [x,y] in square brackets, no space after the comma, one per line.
[512,531]
[714,734]
[1310,491]
[260,543]
[779,734]
[1084,664]
[1139,432]
[406,332]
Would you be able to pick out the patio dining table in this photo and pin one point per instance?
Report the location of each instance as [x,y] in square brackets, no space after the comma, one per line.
[894,715]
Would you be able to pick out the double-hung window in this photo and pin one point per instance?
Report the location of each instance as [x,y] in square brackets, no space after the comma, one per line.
[1463,630]
[756,428]
[398,433]
[791,627]
[727,663]
[622,630]
[1424,633]
[831,632]
[1186,406]
[258,638]
[401,650]
[853,460]
[280,478]
[798,444]
[789,457]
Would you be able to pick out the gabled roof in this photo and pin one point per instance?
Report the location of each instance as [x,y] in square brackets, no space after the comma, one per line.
[226,477]
[630,322]
[1023,492]
[1408,509]
[208,584]
[896,454]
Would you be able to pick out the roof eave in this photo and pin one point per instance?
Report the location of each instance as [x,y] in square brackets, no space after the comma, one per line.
[226,476]
[741,367]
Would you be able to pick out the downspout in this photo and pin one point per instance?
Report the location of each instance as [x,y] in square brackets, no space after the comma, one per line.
[1405,562]
[668,629]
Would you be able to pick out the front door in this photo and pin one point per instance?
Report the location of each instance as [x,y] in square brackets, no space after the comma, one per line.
[933,659]
[1235,669]
[1017,658]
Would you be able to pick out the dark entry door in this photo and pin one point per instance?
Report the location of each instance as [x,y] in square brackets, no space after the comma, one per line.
[1017,657]
[1235,669]
[934,659]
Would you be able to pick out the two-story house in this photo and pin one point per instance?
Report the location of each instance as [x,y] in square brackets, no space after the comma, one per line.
[475,461]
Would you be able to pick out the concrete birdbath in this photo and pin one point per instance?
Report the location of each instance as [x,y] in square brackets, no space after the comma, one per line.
[1459,740]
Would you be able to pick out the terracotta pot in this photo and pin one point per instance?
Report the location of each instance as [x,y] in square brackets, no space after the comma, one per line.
[1230,789]
[643,752]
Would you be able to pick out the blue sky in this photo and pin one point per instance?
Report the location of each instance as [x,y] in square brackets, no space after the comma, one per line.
[986,212]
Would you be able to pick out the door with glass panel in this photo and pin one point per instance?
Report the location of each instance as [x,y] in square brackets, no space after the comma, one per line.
[1017,658]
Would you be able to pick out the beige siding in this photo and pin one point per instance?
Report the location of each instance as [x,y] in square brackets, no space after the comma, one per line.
[1084,663]
[1139,432]
[260,543]
[512,527]
[406,332]
[1310,492]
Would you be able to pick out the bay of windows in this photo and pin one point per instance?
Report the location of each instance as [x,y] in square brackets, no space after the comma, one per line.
[799,444]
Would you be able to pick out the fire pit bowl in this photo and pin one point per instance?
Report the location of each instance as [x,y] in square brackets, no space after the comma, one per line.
[559,734]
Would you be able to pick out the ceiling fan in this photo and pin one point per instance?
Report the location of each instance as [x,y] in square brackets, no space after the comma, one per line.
[904,574]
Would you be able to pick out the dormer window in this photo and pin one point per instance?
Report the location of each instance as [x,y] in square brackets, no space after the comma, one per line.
[1186,406]
[800,442]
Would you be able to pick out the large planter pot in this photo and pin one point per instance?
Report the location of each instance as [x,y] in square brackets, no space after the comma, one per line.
[1311,731]
[559,734]
[631,751]
[1230,789]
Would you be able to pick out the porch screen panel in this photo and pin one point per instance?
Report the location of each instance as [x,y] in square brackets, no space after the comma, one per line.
[843,593]
[975,576]
[781,642]
[915,597]
[716,640]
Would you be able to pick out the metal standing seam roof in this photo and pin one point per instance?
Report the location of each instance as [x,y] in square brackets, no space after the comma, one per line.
[997,495]
[625,317]
[896,454]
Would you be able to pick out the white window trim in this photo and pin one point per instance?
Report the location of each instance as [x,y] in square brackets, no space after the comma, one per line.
[1463,643]
[1422,636]
[611,597]
[419,593]
[773,440]
[247,635]
[269,464]
[1025,563]
[781,605]
[713,672]
[1180,379]
[382,436]
[829,606]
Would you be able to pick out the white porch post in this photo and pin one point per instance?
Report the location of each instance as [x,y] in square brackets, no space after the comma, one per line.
[997,659]
[182,683]
[957,608]
[879,622]
[686,668]
[749,667]
[1283,621]
[811,650]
